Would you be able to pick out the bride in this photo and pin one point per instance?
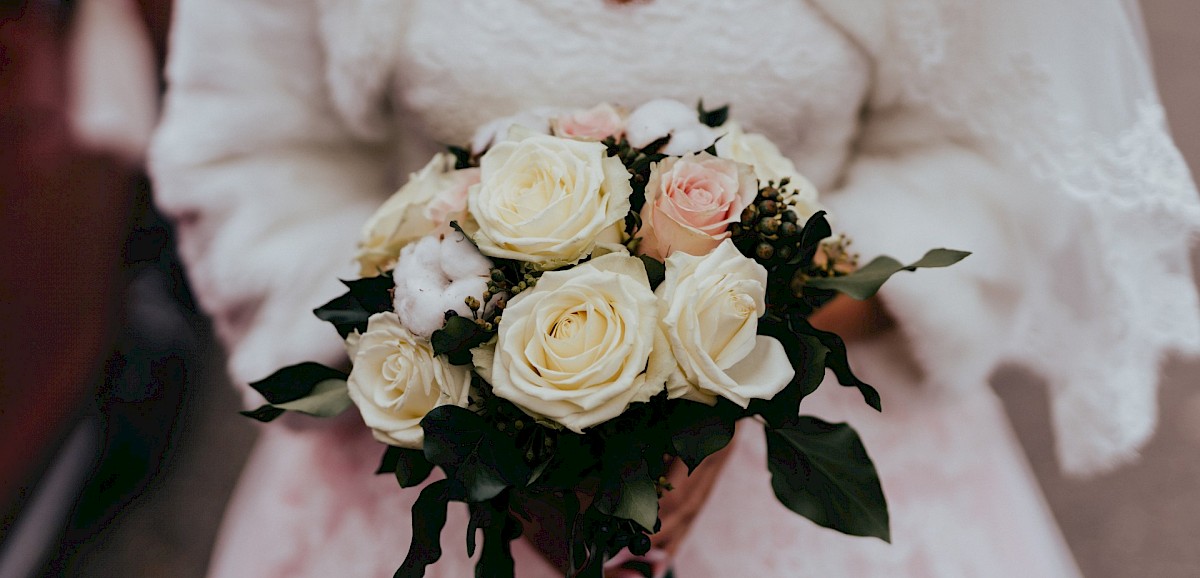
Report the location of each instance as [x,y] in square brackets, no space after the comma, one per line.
[1027,132]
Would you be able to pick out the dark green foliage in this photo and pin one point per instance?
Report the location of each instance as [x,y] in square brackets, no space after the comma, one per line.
[456,339]
[822,472]
[366,297]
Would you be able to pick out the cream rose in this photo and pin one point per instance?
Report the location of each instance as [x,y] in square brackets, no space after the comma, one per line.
[769,165]
[397,379]
[580,346]
[690,202]
[709,309]
[432,198]
[596,123]
[546,200]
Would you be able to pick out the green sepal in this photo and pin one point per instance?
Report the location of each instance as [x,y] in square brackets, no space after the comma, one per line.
[866,281]
[699,430]
[456,339]
[822,472]
[472,452]
[428,519]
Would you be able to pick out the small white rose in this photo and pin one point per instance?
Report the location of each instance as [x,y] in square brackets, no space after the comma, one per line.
[396,380]
[769,165]
[580,346]
[432,198]
[596,123]
[436,275]
[658,118]
[546,200]
[690,202]
[710,308]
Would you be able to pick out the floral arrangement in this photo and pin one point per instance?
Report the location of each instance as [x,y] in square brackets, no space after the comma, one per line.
[580,298]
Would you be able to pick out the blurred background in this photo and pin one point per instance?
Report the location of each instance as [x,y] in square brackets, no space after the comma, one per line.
[123,462]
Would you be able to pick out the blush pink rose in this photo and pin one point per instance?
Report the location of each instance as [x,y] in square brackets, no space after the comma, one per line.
[596,123]
[690,202]
[450,204]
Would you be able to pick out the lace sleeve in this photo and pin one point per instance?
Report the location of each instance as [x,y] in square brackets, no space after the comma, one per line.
[266,176]
[1044,116]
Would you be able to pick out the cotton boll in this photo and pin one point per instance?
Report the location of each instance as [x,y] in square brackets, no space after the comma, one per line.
[435,275]
[658,118]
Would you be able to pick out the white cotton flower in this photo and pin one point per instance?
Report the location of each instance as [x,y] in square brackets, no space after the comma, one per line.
[436,275]
[658,118]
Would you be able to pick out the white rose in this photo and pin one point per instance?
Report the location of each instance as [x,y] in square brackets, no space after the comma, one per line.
[432,198]
[546,199]
[397,379]
[658,118]
[769,165]
[535,121]
[436,275]
[710,307]
[580,346]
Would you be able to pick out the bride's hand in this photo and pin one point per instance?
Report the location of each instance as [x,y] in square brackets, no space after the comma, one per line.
[852,319]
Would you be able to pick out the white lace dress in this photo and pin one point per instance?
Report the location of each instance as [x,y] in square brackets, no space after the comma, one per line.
[289,120]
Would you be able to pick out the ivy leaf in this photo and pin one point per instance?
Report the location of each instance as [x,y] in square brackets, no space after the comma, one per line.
[837,360]
[712,118]
[295,381]
[473,453]
[456,339]
[867,280]
[822,472]
[699,430]
[428,519]
[808,356]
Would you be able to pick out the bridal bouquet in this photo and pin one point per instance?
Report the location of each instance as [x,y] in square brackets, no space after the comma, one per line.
[557,313]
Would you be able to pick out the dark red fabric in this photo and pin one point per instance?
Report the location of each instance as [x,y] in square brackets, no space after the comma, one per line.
[63,218]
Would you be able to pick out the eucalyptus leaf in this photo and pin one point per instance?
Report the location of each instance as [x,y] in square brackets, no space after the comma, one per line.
[345,313]
[327,399]
[428,519]
[867,280]
[822,472]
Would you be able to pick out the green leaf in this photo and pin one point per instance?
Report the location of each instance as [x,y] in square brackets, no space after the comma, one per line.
[350,311]
[639,502]
[295,381]
[456,339]
[264,413]
[495,559]
[327,399]
[473,452]
[712,118]
[816,229]
[838,361]
[822,472]
[428,519]
[656,270]
[867,280]
[699,430]
[409,466]
[808,356]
